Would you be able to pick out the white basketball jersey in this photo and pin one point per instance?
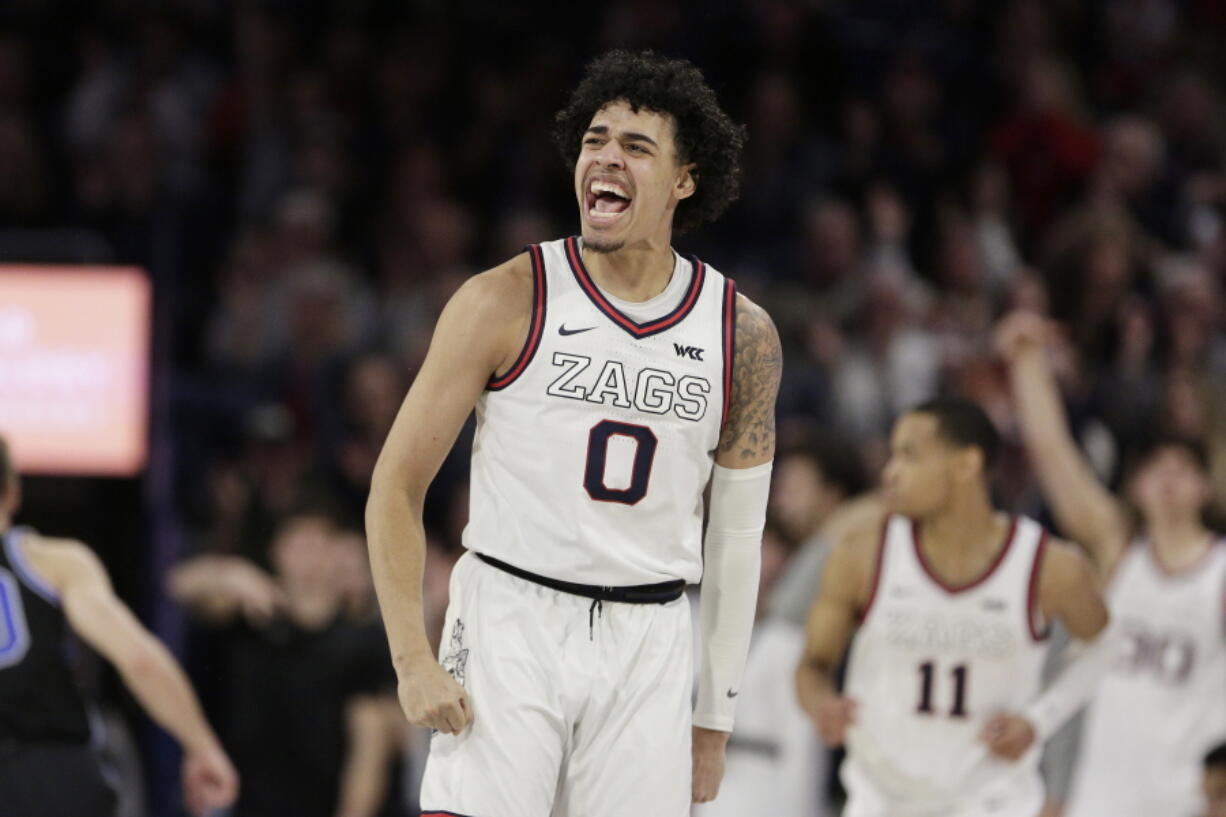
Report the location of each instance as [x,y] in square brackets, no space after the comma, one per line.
[592,452]
[1163,704]
[931,664]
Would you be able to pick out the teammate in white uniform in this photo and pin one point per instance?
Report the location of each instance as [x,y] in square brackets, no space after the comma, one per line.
[941,713]
[1163,704]
[613,382]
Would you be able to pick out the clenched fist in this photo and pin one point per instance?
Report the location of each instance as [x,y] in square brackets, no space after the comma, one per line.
[1021,330]
[430,697]
[209,780]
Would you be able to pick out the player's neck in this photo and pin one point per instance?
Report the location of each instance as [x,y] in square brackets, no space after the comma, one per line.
[5,522]
[1179,540]
[634,273]
[966,526]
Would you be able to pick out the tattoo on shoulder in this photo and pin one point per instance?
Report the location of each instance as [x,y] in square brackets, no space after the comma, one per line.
[756,369]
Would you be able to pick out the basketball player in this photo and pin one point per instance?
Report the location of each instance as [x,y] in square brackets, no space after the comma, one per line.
[941,714]
[613,381]
[47,767]
[1163,703]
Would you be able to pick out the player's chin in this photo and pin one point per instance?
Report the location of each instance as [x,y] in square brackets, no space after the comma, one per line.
[605,232]
[894,504]
[601,241]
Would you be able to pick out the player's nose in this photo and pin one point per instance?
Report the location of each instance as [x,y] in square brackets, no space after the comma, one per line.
[611,155]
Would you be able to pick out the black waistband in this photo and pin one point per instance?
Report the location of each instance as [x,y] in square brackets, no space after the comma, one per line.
[661,593]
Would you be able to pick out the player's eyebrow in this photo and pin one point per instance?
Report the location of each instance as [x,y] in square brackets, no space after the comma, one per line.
[633,136]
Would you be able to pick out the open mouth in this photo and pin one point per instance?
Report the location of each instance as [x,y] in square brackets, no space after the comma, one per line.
[607,200]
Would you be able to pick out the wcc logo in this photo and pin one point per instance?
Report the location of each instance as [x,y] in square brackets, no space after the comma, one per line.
[692,352]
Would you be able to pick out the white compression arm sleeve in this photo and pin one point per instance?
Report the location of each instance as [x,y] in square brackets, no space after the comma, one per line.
[1071,690]
[732,559]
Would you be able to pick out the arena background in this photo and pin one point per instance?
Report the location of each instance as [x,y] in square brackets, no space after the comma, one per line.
[305,183]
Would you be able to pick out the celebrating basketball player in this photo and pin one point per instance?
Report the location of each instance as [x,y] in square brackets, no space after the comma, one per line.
[942,713]
[613,380]
[1163,703]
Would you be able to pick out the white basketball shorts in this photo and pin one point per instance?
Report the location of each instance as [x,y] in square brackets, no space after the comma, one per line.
[579,709]
[1021,796]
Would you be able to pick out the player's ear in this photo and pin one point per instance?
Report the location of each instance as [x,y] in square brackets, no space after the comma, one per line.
[968,463]
[687,181]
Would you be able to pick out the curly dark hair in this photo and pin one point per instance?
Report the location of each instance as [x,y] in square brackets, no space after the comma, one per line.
[705,135]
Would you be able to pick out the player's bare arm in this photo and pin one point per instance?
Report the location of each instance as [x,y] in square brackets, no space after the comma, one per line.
[1085,510]
[478,335]
[746,442]
[1068,593]
[146,667]
[845,587]
[748,438]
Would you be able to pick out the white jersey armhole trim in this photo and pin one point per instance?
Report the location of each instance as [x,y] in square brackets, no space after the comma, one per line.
[878,568]
[1038,626]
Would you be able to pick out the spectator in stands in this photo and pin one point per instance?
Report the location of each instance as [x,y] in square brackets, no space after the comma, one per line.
[310,712]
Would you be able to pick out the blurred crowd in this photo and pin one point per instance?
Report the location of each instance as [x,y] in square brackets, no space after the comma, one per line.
[308,182]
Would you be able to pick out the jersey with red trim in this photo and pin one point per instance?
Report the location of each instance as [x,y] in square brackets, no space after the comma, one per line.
[931,664]
[593,450]
[1162,705]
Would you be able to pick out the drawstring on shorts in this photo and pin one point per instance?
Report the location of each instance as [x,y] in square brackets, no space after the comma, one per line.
[658,593]
[597,608]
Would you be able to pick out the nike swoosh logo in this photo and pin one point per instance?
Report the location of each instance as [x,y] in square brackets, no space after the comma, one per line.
[562,330]
[732,694]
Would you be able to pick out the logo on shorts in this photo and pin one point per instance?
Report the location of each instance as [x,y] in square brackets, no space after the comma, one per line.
[733,694]
[456,659]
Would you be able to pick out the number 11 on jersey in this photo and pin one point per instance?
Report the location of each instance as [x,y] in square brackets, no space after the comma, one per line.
[928,673]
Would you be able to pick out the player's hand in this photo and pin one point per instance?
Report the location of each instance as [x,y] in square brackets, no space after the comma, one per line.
[1008,736]
[430,697]
[708,755]
[833,716]
[1018,331]
[209,781]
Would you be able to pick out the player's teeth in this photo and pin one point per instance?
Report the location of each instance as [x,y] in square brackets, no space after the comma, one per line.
[605,187]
